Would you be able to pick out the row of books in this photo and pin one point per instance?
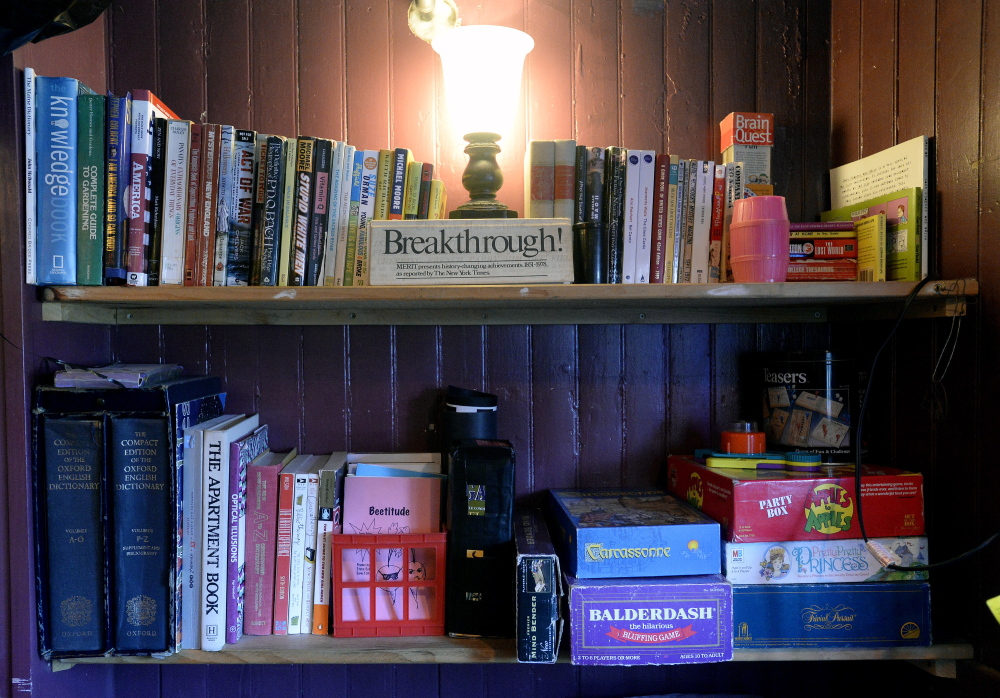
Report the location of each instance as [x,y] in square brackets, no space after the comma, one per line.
[120,190]
[643,217]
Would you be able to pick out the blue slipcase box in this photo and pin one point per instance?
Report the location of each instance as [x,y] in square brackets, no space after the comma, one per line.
[862,614]
[632,533]
[650,620]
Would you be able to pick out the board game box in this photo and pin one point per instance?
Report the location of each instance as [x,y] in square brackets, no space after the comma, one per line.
[780,505]
[877,614]
[821,561]
[652,620]
[538,590]
[632,533]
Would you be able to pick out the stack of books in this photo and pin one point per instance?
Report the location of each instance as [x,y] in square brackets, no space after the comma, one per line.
[121,190]
[802,576]
[830,252]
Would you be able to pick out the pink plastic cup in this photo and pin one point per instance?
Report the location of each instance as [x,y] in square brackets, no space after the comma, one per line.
[758,240]
[755,208]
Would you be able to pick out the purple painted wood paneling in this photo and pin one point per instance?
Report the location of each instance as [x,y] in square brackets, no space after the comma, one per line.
[370,388]
[273,74]
[601,406]
[322,384]
[555,421]
[183,67]
[597,107]
[645,404]
[416,388]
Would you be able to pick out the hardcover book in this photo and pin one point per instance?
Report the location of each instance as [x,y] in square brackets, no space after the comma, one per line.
[880,614]
[30,177]
[261,540]
[650,620]
[539,179]
[90,189]
[70,508]
[538,590]
[480,539]
[632,533]
[564,178]
[285,563]
[118,144]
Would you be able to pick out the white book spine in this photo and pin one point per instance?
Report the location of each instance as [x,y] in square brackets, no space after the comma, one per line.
[175,190]
[30,175]
[702,221]
[287,211]
[630,245]
[309,556]
[214,573]
[226,201]
[324,563]
[191,563]
[345,213]
[647,177]
[298,554]
[333,228]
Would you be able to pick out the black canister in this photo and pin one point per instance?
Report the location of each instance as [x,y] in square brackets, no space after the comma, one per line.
[809,399]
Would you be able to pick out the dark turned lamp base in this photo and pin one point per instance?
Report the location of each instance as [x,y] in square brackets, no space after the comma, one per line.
[482,179]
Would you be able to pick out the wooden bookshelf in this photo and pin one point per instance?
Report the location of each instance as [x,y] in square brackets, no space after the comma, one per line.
[312,649]
[503,305]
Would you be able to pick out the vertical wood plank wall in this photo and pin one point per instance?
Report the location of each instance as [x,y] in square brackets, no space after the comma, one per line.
[586,405]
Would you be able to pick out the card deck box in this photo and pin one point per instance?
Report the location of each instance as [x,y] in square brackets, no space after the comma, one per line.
[780,505]
[820,561]
[538,590]
[632,533]
[876,614]
[650,620]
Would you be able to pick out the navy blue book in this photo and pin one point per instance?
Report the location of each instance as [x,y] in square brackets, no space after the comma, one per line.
[119,153]
[73,617]
[274,186]
[140,533]
[56,144]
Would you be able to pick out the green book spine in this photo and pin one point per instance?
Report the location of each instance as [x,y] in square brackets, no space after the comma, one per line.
[90,189]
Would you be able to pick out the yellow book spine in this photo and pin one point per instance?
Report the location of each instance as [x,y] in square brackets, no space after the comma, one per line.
[437,205]
[872,251]
[412,196]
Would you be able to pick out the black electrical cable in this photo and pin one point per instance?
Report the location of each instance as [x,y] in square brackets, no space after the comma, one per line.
[857,450]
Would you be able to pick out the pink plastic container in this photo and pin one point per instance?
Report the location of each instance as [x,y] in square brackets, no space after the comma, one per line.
[758,239]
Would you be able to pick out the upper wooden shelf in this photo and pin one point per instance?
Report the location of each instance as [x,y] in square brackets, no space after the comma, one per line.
[546,304]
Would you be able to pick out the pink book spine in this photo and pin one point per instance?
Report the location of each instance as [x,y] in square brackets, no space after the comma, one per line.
[261,534]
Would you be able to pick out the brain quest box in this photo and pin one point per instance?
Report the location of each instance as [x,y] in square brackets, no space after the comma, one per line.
[632,533]
[777,505]
[651,620]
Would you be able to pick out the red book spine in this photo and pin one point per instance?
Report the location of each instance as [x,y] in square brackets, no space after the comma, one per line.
[283,556]
[718,215]
[194,187]
[660,195]
[261,548]
[423,203]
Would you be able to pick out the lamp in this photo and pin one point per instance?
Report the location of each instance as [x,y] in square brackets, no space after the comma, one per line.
[482,80]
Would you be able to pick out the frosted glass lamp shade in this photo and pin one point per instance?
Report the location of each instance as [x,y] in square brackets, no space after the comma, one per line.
[482,75]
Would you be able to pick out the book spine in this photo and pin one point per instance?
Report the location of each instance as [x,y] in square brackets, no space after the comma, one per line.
[595,184]
[257,215]
[644,206]
[327,275]
[239,249]
[30,177]
[309,554]
[225,202]
[689,218]
[90,193]
[580,185]
[283,553]
[193,204]
[539,179]
[615,212]
[141,533]
[670,239]
[70,479]
[564,178]
[383,187]
[424,200]
[400,161]
[319,209]
[273,171]
[438,206]
[178,157]
[344,215]
[661,194]
[209,205]
[298,550]
[303,204]
[734,190]
[351,244]
[366,209]
[262,527]
[702,224]
[287,210]
[718,215]
[57,178]
[411,196]
[322,584]
[214,582]
[118,153]
[680,211]
[190,491]
[157,173]
[241,453]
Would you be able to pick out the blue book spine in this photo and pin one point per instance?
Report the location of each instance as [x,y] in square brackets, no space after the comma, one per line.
[119,154]
[71,470]
[140,534]
[56,145]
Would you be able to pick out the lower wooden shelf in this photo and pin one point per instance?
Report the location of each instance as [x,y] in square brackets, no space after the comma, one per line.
[314,649]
